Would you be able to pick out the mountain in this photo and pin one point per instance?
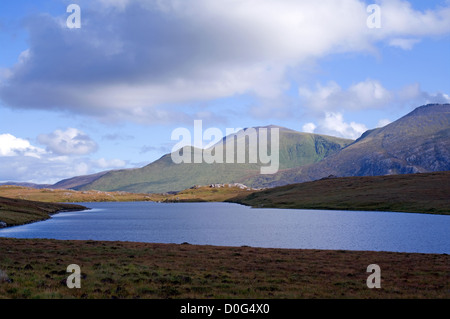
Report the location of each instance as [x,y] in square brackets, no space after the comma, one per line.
[77,182]
[295,149]
[416,143]
[70,183]
[24,184]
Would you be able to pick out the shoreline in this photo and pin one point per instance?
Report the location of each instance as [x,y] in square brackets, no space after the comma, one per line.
[337,209]
[237,201]
[425,193]
[439,252]
[232,201]
[17,212]
[45,218]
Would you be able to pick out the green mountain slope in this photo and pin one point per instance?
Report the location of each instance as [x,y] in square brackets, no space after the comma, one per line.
[296,149]
[417,143]
[76,182]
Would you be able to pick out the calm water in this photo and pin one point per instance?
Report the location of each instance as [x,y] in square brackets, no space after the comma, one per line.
[226,224]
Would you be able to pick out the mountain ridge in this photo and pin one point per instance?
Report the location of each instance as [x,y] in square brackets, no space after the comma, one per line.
[418,142]
[162,175]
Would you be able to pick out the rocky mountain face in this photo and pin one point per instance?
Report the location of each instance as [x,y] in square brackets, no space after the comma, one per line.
[416,143]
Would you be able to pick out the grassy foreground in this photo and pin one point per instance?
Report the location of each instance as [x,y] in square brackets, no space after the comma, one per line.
[427,193]
[37,269]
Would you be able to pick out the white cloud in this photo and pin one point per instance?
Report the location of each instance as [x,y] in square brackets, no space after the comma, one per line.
[309,128]
[49,169]
[414,93]
[384,122]
[68,142]
[21,161]
[80,168]
[439,97]
[41,171]
[405,44]
[368,94]
[335,125]
[400,18]
[118,4]
[14,146]
[114,163]
[5,74]
[319,99]
[363,95]
[130,59]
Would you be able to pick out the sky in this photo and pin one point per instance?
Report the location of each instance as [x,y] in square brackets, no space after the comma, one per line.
[109,93]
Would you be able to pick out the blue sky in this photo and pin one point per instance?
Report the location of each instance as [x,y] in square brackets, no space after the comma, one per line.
[109,94]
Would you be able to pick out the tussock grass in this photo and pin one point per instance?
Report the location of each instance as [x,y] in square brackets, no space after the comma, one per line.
[17,212]
[71,196]
[37,269]
[427,193]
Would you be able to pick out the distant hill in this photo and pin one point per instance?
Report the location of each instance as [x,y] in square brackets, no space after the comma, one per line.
[296,149]
[32,185]
[70,183]
[416,143]
[77,182]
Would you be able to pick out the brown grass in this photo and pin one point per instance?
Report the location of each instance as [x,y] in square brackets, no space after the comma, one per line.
[208,194]
[200,194]
[37,269]
[416,193]
[71,196]
[15,212]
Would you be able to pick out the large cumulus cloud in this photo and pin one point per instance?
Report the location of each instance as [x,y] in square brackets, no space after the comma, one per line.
[65,156]
[136,59]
